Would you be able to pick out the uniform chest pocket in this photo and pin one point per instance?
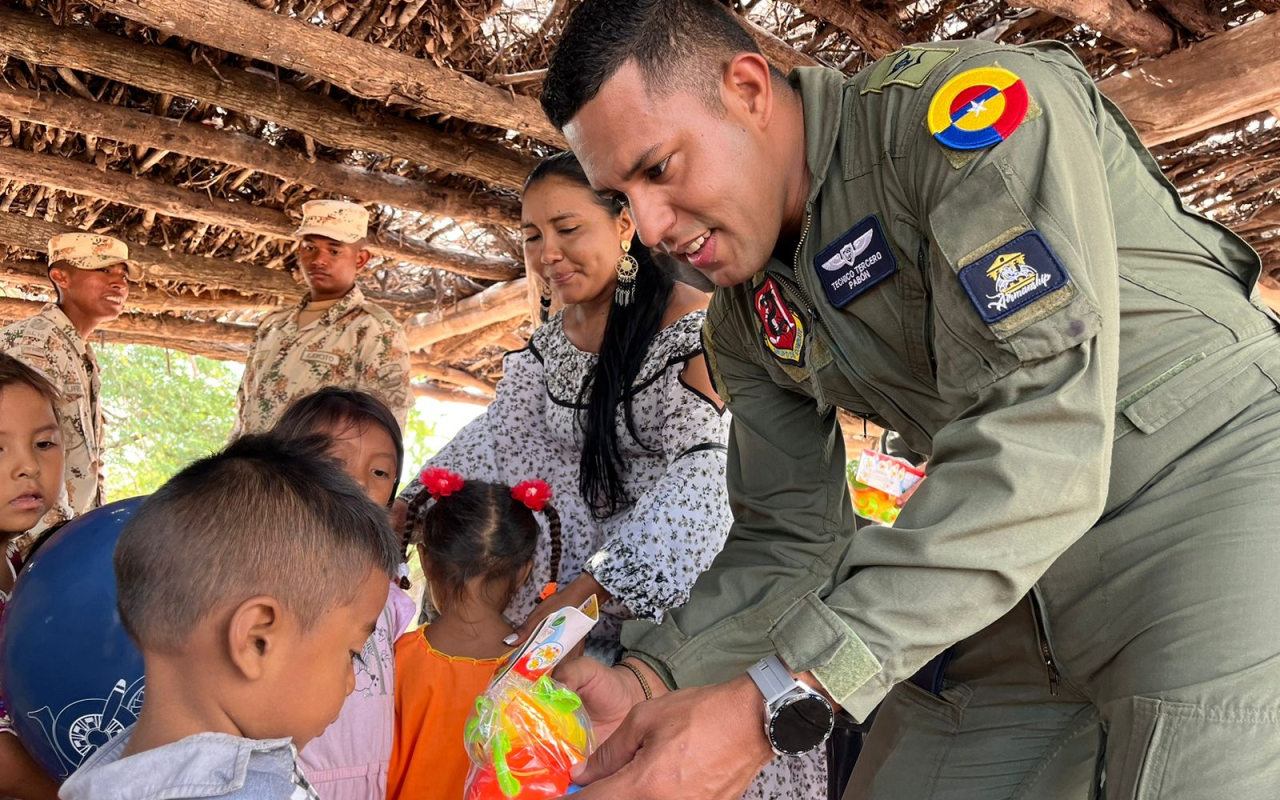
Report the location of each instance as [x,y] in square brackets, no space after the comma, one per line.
[917,318]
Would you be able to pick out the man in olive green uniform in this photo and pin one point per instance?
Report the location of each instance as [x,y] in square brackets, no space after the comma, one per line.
[968,244]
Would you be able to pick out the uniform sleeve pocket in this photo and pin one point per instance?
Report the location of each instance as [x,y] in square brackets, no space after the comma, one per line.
[1010,283]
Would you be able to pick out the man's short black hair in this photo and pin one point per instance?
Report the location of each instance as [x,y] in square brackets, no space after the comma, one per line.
[266,516]
[673,42]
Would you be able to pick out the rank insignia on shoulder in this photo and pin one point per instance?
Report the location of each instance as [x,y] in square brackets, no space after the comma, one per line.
[907,67]
[783,331]
[978,108]
[855,262]
[1012,276]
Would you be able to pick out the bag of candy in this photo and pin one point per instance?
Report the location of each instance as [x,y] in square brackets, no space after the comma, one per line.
[877,481]
[528,731]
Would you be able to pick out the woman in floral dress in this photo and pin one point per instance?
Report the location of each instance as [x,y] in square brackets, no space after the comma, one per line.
[612,404]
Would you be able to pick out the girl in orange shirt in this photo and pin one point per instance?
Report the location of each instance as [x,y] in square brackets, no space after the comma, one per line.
[476,543]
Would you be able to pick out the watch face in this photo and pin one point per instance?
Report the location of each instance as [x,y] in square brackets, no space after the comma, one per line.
[801,724]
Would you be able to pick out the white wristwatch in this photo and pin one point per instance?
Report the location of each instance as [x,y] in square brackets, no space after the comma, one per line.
[797,719]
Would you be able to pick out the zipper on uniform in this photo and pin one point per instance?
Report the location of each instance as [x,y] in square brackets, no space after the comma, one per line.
[795,263]
[1042,639]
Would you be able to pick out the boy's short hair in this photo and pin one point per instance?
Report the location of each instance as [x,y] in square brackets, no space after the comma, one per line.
[15,373]
[673,42]
[266,516]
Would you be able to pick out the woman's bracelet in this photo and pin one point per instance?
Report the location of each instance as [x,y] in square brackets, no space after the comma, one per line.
[644,683]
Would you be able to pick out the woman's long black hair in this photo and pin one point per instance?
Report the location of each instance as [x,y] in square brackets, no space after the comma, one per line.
[627,335]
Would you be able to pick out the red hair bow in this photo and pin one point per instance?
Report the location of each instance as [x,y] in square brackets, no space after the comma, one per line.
[440,482]
[534,494]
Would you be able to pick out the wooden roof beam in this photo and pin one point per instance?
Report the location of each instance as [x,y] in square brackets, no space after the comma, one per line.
[363,69]
[79,178]
[159,327]
[1115,19]
[156,69]
[33,233]
[424,368]
[500,302]
[780,54]
[872,33]
[199,141]
[145,299]
[448,395]
[1202,86]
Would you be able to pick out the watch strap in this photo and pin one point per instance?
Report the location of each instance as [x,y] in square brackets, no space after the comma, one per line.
[772,679]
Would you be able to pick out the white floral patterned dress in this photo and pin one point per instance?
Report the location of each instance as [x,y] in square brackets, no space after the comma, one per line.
[648,555]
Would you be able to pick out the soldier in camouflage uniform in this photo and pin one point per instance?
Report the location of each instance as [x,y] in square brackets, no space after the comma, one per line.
[334,337]
[91,274]
[968,244]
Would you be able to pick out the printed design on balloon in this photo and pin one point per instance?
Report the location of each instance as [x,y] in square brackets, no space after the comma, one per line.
[80,728]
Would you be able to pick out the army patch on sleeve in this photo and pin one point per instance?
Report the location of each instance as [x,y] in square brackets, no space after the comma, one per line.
[978,108]
[1012,276]
[907,67]
[855,262]
[783,329]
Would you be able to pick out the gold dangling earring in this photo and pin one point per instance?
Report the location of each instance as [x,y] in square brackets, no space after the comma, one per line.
[628,268]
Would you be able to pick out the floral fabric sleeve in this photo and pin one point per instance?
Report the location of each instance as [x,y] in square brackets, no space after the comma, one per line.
[644,563]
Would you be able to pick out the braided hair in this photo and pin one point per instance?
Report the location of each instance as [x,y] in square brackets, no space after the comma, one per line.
[478,529]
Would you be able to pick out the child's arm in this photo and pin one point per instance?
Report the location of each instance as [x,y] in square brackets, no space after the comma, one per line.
[20,776]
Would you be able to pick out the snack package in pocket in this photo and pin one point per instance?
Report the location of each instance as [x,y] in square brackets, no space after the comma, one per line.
[527,731]
[877,481]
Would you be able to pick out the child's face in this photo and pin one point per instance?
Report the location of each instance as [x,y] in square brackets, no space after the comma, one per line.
[369,455]
[316,671]
[30,459]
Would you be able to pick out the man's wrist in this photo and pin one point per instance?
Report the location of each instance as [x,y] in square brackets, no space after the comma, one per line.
[643,677]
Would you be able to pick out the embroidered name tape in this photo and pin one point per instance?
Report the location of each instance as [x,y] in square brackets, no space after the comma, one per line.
[855,262]
[321,357]
[1013,276]
[783,330]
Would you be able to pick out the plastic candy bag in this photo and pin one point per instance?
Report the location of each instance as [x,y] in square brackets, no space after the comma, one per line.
[877,481]
[528,731]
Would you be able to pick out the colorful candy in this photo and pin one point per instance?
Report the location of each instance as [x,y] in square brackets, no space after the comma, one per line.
[886,480]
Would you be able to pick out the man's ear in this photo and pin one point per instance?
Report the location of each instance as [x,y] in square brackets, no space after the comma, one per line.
[362,258]
[747,88]
[61,276]
[255,635]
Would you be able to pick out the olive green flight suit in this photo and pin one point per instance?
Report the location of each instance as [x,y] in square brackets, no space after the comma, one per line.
[1095,385]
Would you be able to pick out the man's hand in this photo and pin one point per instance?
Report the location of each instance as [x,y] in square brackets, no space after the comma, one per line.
[573,594]
[399,516]
[707,743]
[608,694]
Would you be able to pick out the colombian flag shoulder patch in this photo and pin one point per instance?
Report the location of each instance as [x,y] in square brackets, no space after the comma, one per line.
[978,108]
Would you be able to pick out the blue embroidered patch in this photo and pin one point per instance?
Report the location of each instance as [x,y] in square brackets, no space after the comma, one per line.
[1012,276]
[855,262]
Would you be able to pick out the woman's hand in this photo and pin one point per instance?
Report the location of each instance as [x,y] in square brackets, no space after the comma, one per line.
[574,594]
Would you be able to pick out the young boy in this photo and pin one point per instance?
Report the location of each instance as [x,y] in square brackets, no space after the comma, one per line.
[91,275]
[30,481]
[335,337]
[250,581]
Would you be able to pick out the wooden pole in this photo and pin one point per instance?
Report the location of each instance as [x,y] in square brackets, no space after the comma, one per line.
[363,69]
[34,233]
[156,69]
[160,327]
[119,187]
[1115,19]
[145,299]
[500,302]
[448,395]
[872,33]
[199,141]
[423,368]
[1207,84]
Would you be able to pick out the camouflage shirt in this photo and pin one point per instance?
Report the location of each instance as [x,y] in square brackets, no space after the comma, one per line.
[50,343]
[354,345]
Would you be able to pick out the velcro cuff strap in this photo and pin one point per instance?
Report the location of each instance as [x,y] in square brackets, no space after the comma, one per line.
[810,637]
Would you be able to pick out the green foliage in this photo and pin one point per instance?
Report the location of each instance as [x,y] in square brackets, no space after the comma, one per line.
[163,410]
[417,444]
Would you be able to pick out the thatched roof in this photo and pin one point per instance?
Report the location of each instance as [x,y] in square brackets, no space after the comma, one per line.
[195,130]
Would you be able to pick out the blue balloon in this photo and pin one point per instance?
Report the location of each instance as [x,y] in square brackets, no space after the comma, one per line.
[71,676]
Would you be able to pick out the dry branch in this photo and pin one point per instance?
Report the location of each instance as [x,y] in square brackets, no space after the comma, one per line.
[156,327]
[780,54]
[363,69]
[501,302]
[423,368]
[1207,84]
[1115,19]
[119,187]
[198,141]
[162,265]
[159,70]
[872,33]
